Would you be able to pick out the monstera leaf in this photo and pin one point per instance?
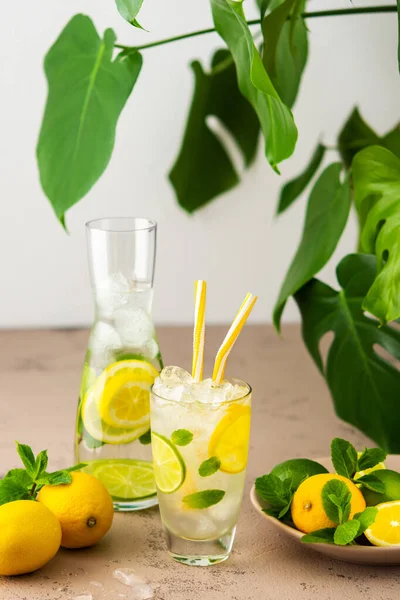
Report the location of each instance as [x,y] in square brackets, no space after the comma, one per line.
[327,212]
[376,176]
[285,47]
[203,168]
[87,92]
[364,386]
[275,118]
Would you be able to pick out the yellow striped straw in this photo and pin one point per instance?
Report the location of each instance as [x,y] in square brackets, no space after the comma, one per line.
[231,337]
[199,330]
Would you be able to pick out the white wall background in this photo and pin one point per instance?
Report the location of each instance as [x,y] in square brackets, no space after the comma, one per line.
[235,243]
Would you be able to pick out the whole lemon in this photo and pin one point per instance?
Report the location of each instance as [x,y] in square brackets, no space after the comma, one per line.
[83,507]
[307,510]
[30,536]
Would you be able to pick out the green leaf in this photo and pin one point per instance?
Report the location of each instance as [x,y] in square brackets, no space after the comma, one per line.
[336,497]
[370,458]
[145,439]
[11,490]
[181,437]
[376,176]
[129,9]
[293,188]
[322,536]
[87,92]
[209,466]
[77,467]
[344,457]
[40,464]
[346,533]
[355,135]
[21,477]
[201,148]
[203,499]
[366,518]
[372,482]
[398,27]
[59,477]
[275,492]
[26,455]
[276,120]
[285,48]
[327,212]
[364,386]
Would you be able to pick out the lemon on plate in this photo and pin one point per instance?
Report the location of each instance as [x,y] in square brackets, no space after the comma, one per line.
[83,508]
[385,530]
[169,467]
[125,479]
[230,439]
[123,393]
[30,537]
[307,509]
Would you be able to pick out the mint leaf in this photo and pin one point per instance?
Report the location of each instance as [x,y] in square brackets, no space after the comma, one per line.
[366,518]
[274,491]
[322,536]
[59,477]
[203,499]
[20,476]
[11,490]
[40,464]
[336,498]
[182,437]
[346,533]
[27,457]
[370,458]
[209,466]
[77,467]
[145,438]
[344,457]
[372,482]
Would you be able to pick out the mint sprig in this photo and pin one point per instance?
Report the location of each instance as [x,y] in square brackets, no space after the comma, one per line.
[25,484]
[347,463]
[336,501]
[203,499]
[209,467]
[181,437]
[277,493]
[345,533]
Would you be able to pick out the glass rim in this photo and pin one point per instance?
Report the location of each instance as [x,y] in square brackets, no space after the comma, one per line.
[146,224]
[234,380]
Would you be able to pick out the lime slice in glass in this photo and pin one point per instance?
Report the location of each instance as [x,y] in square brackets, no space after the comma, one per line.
[169,468]
[125,479]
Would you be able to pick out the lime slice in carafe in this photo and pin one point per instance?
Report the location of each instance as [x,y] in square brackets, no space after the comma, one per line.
[125,479]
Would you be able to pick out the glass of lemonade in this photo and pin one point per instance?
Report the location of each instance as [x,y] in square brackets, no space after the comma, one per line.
[200,441]
[122,361]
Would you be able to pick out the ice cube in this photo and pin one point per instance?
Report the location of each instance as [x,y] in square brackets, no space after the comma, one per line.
[203,529]
[135,326]
[104,342]
[175,376]
[112,294]
[140,588]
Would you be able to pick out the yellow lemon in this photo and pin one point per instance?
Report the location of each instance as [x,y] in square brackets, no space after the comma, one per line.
[230,439]
[83,507]
[307,510]
[30,537]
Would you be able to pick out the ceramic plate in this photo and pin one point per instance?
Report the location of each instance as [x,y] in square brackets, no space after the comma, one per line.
[363,555]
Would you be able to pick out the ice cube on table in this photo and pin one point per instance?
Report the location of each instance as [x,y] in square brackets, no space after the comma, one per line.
[134,326]
[112,294]
[140,588]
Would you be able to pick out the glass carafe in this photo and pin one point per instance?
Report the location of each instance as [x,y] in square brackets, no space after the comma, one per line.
[122,360]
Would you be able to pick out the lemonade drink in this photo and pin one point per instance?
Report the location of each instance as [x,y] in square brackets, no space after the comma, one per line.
[122,361]
[200,439]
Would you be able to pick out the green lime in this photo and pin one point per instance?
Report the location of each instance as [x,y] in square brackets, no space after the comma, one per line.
[99,430]
[125,479]
[297,470]
[169,468]
[391,481]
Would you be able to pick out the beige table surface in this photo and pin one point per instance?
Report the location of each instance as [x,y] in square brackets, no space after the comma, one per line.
[293,416]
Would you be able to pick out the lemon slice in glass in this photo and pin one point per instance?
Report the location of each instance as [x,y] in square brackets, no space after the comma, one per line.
[385,530]
[125,479]
[230,440]
[169,467]
[123,393]
[103,432]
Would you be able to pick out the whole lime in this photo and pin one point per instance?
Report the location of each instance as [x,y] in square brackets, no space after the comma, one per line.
[391,482]
[297,470]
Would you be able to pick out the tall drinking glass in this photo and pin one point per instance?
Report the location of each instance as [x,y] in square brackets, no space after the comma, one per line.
[200,440]
[122,361]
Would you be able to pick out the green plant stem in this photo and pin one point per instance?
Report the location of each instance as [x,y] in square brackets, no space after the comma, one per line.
[33,488]
[306,15]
